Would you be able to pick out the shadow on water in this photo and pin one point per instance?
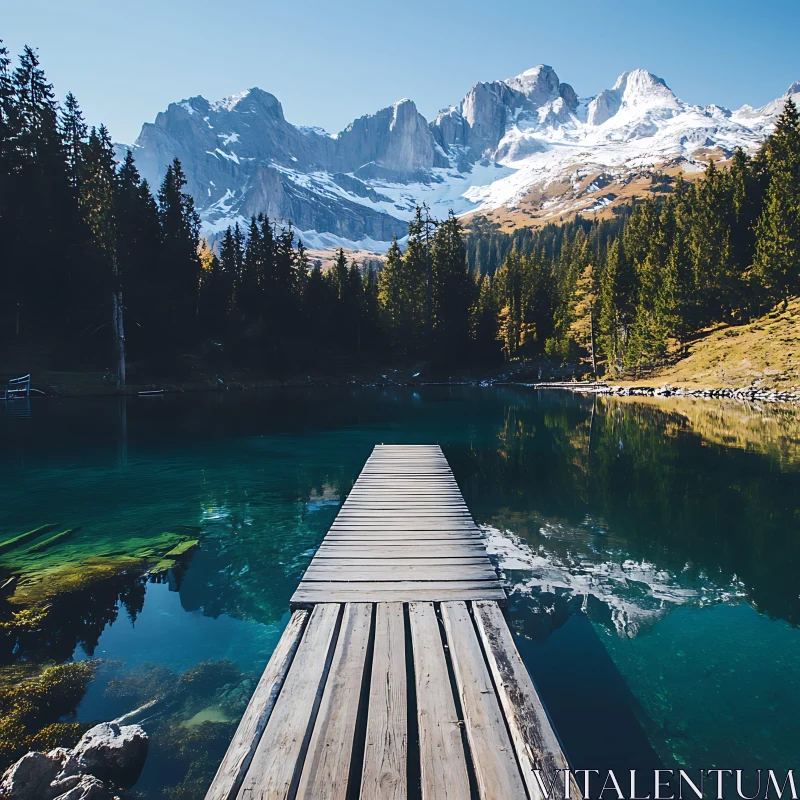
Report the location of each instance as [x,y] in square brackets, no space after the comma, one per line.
[624,529]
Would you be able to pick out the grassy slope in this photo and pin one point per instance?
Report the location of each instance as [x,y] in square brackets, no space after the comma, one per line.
[765,351]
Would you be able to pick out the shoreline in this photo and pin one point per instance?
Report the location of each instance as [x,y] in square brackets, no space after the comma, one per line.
[748,393]
[387,380]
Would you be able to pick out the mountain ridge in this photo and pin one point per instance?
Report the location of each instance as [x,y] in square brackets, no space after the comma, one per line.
[529,141]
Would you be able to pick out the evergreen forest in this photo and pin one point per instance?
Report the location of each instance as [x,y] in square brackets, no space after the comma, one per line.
[101,270]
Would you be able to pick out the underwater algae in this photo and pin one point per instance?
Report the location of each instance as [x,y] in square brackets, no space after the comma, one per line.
[31,709]
[190,718]
[16,541]
[63,596]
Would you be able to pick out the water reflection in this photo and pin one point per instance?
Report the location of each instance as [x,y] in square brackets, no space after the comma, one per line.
[642,539]
[570,565]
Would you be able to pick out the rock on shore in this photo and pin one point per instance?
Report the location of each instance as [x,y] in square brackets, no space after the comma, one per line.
[107,757]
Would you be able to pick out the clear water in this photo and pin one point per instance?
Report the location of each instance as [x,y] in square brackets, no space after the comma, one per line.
[652,551]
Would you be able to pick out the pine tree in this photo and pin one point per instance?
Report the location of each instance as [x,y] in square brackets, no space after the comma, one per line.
[216,289]
[402,297]
[452,293]
[139,259]
[487,343]
[73,135]
[339,273]
[252,286]
[8,121]
[710,245]
[98,203]
[36,108]
[777,257]
[317,303]
[180,227]
[582,312]
[418,277]
[8,165]
[302,267]
[45,237]
[614,317]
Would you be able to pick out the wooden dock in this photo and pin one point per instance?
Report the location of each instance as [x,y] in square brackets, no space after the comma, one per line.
[397,676]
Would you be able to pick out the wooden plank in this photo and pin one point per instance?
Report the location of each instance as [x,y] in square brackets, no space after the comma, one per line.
[420,524]
[404,550]
[443,767]
[400,532]
[384,775]
[274,770]
[433,530]
[535,741]
[459,531]
[397,483]
[404,537]
[242,748]
[407,501]
[449,492]
[379,561]
[312,592]
[400,518]
[397,572]
[327,765]
[439,515]
[496,769]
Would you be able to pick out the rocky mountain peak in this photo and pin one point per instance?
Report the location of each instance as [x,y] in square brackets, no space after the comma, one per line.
[640,87]
[635,90]
[538,84]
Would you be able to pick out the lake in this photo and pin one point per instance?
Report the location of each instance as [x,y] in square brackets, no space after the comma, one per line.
[650,546]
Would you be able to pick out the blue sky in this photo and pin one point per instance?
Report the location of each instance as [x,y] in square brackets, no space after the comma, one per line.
[329,61]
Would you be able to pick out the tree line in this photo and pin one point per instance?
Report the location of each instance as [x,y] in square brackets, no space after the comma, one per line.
[628,291]
[100,270]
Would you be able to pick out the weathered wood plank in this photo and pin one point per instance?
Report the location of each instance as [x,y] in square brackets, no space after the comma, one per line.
[406,537]
[443,765]
[274,770]
[384,774]
[428,591]
[496,769]
[535,741]
[398,572]
[410,514]
[393,518]
[405,549]
[326,770]
[240,752]
[367,562]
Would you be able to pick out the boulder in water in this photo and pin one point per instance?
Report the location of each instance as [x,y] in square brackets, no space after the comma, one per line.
[111,753]
[30,777]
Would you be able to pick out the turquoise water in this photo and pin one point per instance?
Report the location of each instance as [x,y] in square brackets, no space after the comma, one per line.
[651,552]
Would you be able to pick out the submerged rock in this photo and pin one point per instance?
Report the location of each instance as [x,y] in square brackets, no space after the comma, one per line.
[31,776]
[110,752]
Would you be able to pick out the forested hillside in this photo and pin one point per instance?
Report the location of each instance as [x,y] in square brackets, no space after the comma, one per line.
[100,270]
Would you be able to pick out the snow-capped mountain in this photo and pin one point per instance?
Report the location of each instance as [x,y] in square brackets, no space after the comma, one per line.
[527,143]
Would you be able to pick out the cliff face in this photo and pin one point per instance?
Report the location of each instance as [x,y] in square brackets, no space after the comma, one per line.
[503,140]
